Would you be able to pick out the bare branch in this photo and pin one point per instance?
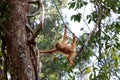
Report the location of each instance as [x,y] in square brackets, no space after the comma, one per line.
[39,26]
[40,6]
[36,33]
[97,25]
[30,29]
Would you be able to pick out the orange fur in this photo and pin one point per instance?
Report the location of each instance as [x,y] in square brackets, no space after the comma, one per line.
[64,48]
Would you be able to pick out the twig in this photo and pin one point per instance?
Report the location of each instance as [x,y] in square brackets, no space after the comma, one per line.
[36,33]
[30,29]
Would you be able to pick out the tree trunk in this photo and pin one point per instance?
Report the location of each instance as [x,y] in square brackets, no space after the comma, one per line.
[22,67]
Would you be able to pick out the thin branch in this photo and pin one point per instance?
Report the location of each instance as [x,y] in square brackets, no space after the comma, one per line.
[30,29]
[97,25]
[63,19]
[86,41]
[36,33]
[40,25]
[85,20]
[38,11]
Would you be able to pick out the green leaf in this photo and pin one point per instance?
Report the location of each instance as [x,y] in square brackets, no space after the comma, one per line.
[90,77]
[85,3]
[76,17]
[42,74]
[52,76]
[77,6]
[72,5]
[87,70]
[116,63]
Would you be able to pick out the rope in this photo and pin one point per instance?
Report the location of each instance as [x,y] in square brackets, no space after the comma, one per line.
[64,21]
[61,16]
[83,45]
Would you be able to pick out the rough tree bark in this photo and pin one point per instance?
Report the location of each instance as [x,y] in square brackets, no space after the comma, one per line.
[23,61]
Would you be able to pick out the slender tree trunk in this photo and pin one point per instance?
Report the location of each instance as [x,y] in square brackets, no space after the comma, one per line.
[22,67]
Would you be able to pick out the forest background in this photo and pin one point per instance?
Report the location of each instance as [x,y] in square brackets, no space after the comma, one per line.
[97,23]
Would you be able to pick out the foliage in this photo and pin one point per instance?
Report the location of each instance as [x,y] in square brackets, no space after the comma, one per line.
[6,15]
[100,58]
[106,66]
[52,68]
[89,62]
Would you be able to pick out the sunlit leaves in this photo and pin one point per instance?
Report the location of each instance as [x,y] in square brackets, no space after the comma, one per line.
[114,57]
[107,43]
[87,70]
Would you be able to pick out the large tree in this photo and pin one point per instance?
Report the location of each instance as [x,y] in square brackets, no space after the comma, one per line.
[21,57]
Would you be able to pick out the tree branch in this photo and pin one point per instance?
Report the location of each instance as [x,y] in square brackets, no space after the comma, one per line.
[97,25]
[40,6]
[36,33]
[40,25]
[30,29]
